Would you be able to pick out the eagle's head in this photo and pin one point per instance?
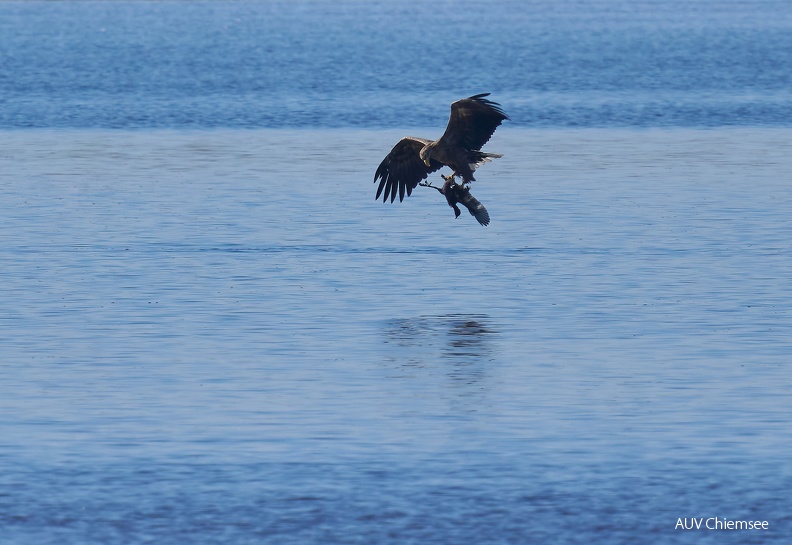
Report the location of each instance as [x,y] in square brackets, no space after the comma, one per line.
[426,154]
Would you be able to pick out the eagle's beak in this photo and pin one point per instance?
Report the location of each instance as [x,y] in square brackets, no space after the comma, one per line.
[426,162]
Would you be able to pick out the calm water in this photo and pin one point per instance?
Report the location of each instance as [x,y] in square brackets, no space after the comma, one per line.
[351,63]
[205,341]
[210,332]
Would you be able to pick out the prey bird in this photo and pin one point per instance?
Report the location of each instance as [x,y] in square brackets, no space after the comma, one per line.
[472,123]
[456,193]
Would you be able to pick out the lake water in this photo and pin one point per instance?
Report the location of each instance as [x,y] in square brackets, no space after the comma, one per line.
[388,64]
[211,333]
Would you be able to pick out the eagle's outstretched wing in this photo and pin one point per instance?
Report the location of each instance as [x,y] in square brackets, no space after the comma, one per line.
[402,169]
[472,122]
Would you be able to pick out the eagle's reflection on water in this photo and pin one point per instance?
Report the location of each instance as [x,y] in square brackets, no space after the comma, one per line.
[467,337]
[459,345]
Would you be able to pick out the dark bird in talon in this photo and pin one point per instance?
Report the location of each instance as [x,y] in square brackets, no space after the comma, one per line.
[455,193]
[472,123]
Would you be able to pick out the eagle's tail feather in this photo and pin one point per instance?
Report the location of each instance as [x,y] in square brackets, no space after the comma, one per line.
[478,158]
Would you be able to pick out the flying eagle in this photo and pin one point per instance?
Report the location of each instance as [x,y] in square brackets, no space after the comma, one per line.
[472,122]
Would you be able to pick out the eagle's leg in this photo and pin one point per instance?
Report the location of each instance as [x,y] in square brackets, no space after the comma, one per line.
[465,179]
[429,184]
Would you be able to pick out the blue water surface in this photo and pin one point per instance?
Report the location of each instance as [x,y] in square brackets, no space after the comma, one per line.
[383,63]
[211,333]
[220,337]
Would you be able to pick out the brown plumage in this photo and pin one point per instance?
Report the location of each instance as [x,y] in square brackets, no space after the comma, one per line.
[472,122]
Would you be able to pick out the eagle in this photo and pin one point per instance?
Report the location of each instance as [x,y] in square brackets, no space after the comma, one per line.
[472,123]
